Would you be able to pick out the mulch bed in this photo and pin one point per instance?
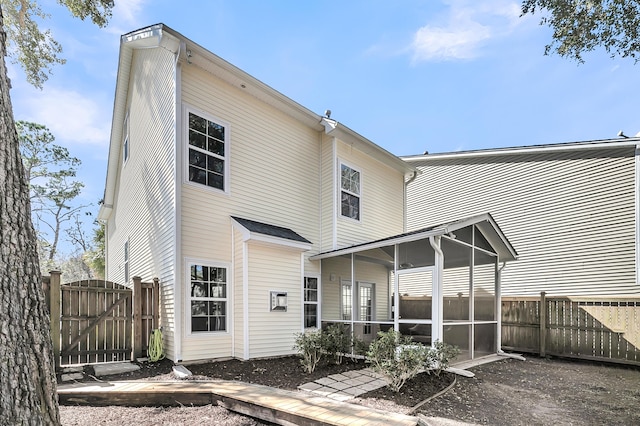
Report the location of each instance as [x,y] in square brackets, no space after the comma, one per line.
[286,373]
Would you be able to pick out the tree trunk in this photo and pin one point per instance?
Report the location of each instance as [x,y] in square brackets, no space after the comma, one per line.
[27,373]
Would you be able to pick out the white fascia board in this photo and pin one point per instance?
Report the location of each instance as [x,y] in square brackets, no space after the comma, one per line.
[534,149]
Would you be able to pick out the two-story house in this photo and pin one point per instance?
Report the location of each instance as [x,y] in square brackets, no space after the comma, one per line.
[262,218]
[223,188]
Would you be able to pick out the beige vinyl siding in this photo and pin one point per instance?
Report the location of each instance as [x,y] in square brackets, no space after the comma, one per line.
[328,200]
[381,199]
[272,333]
[238,294]
[144,205]
[281,191]
[274,178]
[570,215]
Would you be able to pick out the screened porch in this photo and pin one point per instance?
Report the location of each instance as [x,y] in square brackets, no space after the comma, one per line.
[437,283]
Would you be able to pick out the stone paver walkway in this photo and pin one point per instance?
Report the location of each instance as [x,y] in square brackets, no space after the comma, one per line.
[347,385]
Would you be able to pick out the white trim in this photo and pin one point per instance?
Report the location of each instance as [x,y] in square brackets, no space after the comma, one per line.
[233,322]
[341,163]
[188,261]
[177,224]
[317,303]
[334,215]
[245,299]
[186,109]
[637,211]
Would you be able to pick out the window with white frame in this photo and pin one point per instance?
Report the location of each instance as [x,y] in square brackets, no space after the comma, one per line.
[208,151]
[208,298]
[310,302]
[349,192]
[346,301]
[125,139]
[126,261]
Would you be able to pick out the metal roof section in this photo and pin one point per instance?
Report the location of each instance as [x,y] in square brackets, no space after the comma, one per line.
[484,222]
[264,232]
[626,142]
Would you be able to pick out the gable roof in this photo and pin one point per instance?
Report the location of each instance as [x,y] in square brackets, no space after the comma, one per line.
[187,51]
[485,222]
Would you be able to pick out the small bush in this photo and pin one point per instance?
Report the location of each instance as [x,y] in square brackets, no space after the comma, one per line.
[440,355]
[336,342]
[397,358]
[310,347]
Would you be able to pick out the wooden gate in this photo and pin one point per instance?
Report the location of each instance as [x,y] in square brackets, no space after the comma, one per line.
[96,321]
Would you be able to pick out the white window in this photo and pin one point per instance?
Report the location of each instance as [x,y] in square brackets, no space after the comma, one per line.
[208,298]
[125,140]
[349,192]
[126,261]
[346,300]
[310,302]
[208,152]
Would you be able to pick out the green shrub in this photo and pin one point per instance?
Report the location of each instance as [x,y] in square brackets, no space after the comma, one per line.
[310,347]
[397,358]
[440,355]
[336,342]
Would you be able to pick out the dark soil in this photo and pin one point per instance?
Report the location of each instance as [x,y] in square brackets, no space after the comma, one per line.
[532,392]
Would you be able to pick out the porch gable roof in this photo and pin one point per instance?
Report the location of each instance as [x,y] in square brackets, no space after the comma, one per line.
[485,222]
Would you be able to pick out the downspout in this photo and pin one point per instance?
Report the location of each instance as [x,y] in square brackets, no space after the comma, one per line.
[178,320]
[437,332]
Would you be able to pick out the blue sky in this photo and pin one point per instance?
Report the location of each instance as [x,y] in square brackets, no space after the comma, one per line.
[409,75]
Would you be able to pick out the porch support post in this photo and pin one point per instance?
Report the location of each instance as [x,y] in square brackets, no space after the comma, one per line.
[396,290]
[437,329]
[498,302]
[543,324]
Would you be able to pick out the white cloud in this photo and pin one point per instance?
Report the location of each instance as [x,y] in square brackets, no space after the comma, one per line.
[126,16]
[464,30]
[71,116]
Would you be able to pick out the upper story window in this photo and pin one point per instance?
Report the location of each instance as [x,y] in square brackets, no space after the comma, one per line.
[349,192]
[125,140]
[208,152]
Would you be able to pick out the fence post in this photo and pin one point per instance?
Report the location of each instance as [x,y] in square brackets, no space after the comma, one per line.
[55,314]
[137,317]
[543,324]
[156,303]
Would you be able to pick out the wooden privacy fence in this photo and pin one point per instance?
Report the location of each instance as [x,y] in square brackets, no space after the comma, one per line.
[95,321]
[596,328]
